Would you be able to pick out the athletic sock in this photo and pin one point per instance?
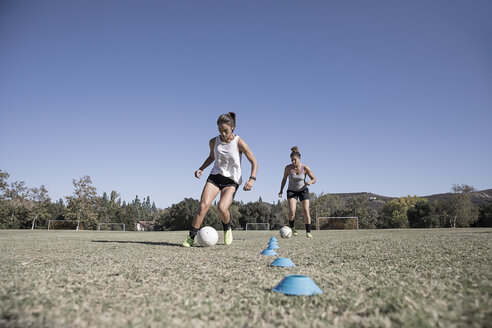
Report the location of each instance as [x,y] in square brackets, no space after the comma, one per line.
[193,232]
[308,228]
[291,223]
[227,225]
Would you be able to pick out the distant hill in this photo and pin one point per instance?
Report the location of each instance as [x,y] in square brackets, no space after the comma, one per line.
[478,197]
[378,201]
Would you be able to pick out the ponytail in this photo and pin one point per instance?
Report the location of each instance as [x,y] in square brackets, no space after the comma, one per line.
[295,152]
[229,119]
[233,117]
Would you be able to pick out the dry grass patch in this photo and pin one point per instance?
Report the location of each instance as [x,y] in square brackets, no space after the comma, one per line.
[377,278]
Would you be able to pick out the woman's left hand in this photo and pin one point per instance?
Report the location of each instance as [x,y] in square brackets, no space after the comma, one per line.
[248,185]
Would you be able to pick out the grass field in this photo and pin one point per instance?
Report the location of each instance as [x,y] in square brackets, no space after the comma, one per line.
[376,278]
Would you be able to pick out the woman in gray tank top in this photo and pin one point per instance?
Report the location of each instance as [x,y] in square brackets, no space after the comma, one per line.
[298,189]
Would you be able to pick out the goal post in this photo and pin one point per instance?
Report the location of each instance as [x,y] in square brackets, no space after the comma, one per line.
[257,226]
[337,223]
[64,225]
[111,226]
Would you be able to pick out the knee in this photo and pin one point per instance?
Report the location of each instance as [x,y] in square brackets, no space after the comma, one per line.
[223,208]
[203,208]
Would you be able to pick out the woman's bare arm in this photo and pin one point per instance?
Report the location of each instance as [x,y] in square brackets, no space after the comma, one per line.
[284,180]
[209,160]
[243,148]
[310,174]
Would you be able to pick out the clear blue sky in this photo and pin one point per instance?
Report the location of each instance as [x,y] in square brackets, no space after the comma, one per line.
[390,97]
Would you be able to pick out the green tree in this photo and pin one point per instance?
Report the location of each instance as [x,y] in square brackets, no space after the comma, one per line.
[394,213]
[235,214]
[57,210]
[84,202]
[359,206]
[4,177]
[40,209]
[212,218]
[113,209]
[325,205]
[424,214]
[147,206]
[256,212]
[180,216]
[131,213]
[462,212]
[485,215]
[16,201]
[103,208]
[126,214]
[279,215]
[4,208]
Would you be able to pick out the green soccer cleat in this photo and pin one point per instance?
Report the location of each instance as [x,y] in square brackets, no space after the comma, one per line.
[308,234]
[228,237]
[188,242]
[294,232]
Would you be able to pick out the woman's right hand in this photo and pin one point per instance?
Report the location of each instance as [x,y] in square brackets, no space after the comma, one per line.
[280,195]
[198,173]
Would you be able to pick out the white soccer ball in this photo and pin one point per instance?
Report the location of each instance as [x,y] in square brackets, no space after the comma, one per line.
[207,236]
[285,232]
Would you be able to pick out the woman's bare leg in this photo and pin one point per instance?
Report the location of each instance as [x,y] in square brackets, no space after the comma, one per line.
[226,198]
[292,208]
[210,191]
[305,211]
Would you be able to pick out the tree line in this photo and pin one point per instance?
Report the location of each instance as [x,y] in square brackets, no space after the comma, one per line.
[22,207]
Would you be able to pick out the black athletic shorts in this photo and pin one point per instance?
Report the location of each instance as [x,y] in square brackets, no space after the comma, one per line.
[300,195]
[221,182]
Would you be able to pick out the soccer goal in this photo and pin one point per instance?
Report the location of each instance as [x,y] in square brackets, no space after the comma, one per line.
[64,225]
[257,226]
[337,223]
[110,226]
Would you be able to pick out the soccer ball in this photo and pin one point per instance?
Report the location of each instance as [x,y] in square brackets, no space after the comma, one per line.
[207,236]
[285,232]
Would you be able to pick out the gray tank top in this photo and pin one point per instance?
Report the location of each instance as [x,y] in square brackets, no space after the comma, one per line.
[297,182]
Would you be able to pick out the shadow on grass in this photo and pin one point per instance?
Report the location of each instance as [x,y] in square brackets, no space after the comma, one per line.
[155,243]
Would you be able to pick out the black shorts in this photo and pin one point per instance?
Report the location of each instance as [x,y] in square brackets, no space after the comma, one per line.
[222,182]
[300,195]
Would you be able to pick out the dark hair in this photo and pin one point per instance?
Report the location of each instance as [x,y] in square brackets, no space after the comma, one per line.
[229,118]
[295,152]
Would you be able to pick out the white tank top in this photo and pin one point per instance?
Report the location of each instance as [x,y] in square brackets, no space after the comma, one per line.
[227,159]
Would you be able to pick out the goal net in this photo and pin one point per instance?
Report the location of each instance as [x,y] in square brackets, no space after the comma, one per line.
[337,223]
[257,226]
[110,226]
[64,225]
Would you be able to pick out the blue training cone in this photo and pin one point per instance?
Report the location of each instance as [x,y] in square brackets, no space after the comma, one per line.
[283,262]
[273,246]
[273,238]
[297,285]
[269,252]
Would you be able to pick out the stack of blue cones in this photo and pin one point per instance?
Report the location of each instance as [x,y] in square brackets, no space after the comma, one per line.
[291,284]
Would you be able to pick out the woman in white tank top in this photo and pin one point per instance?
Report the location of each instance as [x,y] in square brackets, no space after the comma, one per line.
[298,189]
[225,152]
